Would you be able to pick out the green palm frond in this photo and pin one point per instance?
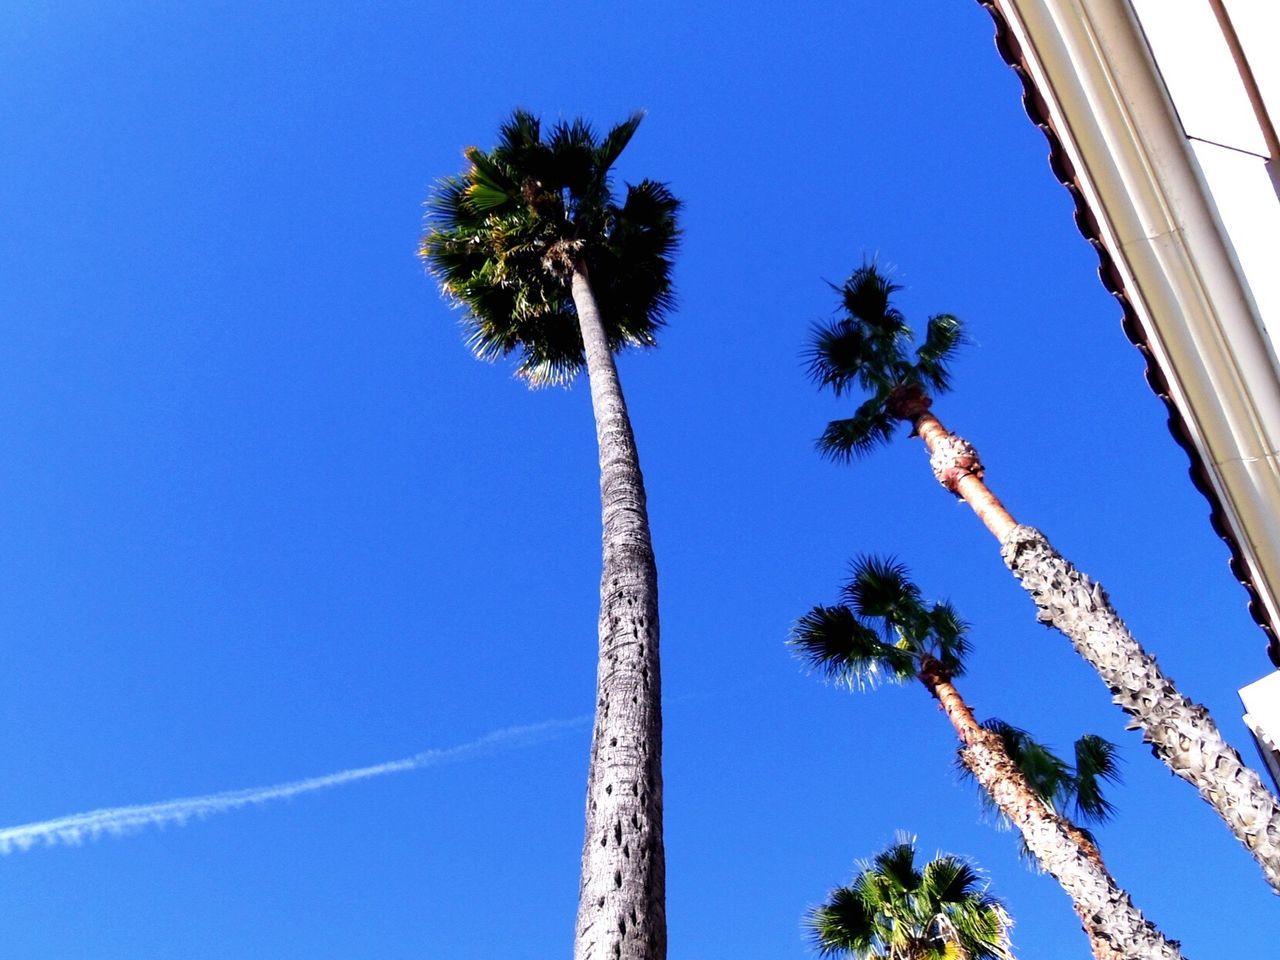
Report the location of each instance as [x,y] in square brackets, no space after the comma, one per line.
[948,637]
[1096,761]
[895,868]
[944,335]
[843,925]
[948,879]
[965,912]
[616,140]
[866,295]
[853,438]
[502,235]
[881,587]
[843,354]
[520,144]
[982,928]
[642,241]
[572,150]
[490,171]
[836,642]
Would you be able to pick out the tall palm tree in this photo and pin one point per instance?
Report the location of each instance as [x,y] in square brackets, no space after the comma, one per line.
[894,910]
[884,630]
[548,263]
[869,349]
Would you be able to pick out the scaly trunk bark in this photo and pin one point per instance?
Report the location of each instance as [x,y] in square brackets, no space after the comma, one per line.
[622,896]
[1116,928]
[1180,732]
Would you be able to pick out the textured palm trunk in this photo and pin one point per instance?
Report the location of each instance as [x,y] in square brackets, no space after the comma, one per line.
[1180,732]
[622,897]
[1116,929]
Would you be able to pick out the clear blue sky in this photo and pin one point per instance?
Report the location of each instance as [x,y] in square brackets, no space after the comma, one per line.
[263,517]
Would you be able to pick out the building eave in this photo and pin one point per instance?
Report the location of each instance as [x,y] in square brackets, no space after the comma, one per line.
[1117,145]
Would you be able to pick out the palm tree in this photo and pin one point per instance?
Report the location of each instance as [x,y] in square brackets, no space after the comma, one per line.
[894,910]
[869,349]
[884,630]
[531,241]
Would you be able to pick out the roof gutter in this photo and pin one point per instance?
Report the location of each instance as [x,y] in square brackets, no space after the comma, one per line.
[1119,147]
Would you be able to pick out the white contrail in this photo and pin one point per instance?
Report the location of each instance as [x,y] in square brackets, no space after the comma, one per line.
[75,829]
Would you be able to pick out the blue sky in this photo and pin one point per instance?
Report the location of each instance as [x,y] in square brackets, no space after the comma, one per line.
[262,517]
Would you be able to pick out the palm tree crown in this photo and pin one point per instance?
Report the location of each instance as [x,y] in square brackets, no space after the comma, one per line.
[506,235]
[869,348]
[883,630]
[895,911]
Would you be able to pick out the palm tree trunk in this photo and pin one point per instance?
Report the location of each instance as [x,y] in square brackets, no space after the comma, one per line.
[1181,732]
[622,896]
[1116,929]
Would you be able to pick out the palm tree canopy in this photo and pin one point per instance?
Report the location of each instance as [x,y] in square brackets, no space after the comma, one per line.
[505,236]
[1065,787]
[883,629]
[869,348]
[895,911]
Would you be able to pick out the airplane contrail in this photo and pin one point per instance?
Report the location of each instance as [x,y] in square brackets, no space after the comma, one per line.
[75,829]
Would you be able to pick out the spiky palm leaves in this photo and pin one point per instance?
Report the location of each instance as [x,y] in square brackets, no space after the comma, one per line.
[869,349]
[894,910]
[506,235]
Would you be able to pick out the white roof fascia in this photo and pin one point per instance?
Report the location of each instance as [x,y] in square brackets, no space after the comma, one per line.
[1112,114]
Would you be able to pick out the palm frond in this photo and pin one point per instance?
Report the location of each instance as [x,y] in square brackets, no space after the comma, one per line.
[981,928]
[840,355]
[948,637]
[867,295]
[488,171]
[948,879]
[571,150]
[616,140]
[944,335]
[868,428]
[484,198]
[520,151]
[637,259]
[834,641]
[881,587]
[522,129]
[967,915]
[897,865]
[842,925]
[1097,760]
